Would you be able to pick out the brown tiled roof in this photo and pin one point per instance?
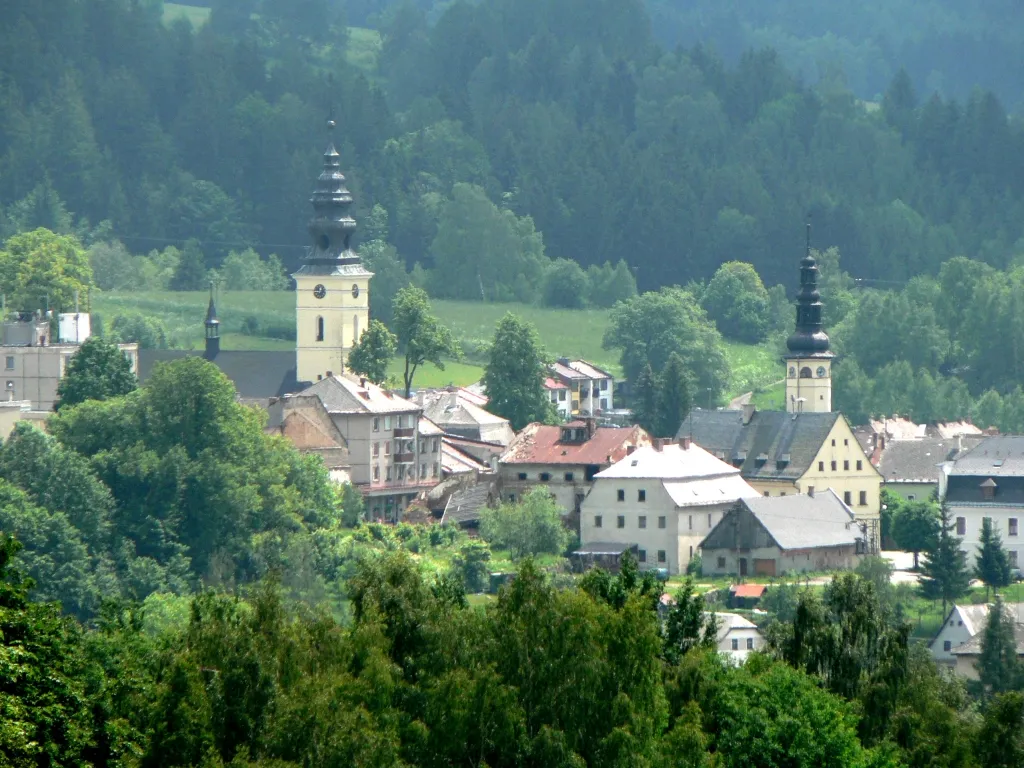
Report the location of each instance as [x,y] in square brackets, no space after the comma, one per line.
[541,444]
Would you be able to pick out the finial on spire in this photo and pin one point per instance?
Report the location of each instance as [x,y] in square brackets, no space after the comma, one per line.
[808,235]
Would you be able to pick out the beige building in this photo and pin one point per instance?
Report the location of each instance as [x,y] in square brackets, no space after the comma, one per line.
[306,424]
[966,655]
[458,412]
[781,454]
[391,462]
[737,637]
[13,411]
[332,287]
[662,498]
[764,536]
[962,624]
[33,364]
[564,459]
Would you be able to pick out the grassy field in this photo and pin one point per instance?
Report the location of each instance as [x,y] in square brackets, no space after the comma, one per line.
[564,332]
[196,15]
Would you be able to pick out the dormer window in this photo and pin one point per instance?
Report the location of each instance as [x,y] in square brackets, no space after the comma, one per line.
[988,489]
[762,459]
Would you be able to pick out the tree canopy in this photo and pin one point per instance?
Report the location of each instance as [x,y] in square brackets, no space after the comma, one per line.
[98,371]
[515,373]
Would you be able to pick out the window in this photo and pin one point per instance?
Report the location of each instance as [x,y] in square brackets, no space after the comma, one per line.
[387,423]
[834,467]
[833,442]
[423,470]
[810,490]
[512,499]
[522,475]
[597,520]
[721,562]
[947,645]
[620,521]
[767,493]
[735,643]
[376,450]
[661,556]
[782,493]
[641,556]
[860,465]
[961,526]
[1013,526]
[911,497]
[423,446]
[847,498]
[437,442]
[1012,557]
[621,495]
[568,477]
[604,385]
[821,466]
[641,495]
[376,425]
[545,476]
[846,441]
[376,473]
[561,395]
[750,643]
[641,521]
[387,447]
[661,521]
[319,329]
[709,519]
[434,469]
[863,498]
[690,518]
[387,475]
[10,363]
[846,465]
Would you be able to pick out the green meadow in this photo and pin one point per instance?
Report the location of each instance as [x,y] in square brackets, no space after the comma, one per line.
[574,333]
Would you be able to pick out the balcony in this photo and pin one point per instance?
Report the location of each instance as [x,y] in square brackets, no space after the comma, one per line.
[405,458]
[405,432]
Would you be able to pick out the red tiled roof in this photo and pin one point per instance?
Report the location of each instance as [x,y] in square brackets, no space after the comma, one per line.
[550,383]
[748,590]
[541,444]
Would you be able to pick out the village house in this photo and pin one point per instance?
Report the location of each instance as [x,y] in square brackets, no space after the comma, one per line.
[771,536]
[306,424]
[912,468]
[968,654]
[663,499]
[391,462]
[458,412]
[987,481]
[962,623]
[558,392]
[564,459]
[737,637]
[591,389]
[782,454]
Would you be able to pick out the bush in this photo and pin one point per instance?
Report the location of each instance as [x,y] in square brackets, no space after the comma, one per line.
[148,332]
[532,527]
[565,285]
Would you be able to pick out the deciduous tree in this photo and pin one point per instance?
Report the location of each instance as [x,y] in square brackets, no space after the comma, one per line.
[40,270]
[514,377]
[915,527]
[98,371]
[373,353]
[421,337]
[531,526]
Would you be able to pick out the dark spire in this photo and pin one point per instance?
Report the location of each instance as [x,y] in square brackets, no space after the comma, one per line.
[331,226]
[809,339]
[212,329]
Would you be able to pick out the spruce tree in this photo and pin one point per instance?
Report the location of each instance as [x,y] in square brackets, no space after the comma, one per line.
[998,667]
[992,564]
[945,575]
[645,401]
[675,396]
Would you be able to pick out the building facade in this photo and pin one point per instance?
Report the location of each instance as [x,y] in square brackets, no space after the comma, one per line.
[663,499]
[332,287]
[590,390]
[737,637]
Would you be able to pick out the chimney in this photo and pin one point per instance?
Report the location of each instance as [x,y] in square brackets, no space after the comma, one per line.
[591,426]
[630,449]
[657,444]
[684,443]
[881,442]
[748,412]
[329,374]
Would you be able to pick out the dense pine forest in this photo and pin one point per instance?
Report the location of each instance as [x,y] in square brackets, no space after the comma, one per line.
[560,130]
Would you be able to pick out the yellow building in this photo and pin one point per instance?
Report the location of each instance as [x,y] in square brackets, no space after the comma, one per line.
[809,359]
[332,287]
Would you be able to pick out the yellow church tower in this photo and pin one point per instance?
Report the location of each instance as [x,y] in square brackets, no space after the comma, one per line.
[809,361]
[332,287]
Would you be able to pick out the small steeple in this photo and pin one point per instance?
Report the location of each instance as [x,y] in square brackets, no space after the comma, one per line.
[212,329]
[331,226]
[809,339]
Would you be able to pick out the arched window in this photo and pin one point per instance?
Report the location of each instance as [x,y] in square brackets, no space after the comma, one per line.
[355,330]
[320,329]
[805,373]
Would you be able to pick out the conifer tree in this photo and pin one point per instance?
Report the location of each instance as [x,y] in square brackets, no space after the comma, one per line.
[998,667]
[675,396]
[992,563]
[645,400]
[945,575]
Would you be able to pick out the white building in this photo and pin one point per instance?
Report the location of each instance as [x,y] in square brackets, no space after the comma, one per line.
[665,498]
[591,389]
[558,392]
[737,637]
[963,624]
[987,481]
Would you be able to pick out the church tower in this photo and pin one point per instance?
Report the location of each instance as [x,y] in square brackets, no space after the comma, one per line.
[808,361]
[332,287]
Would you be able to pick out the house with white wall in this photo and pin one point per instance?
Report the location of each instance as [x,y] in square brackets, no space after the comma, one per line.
[963,624]
[737,637]
[664,498]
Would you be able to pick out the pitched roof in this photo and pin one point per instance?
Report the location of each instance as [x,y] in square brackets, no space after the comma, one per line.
[255,374]
[451,408]
[427,428]
[564,371]
[550,383]
[671,462]
[747,590]
[999,456]
[542,444]
[973,646]
[344,394]
[727,622]
[456,461]
[974,617]
[589,369]
[713,490]
[773,445]
[465,504]
[799,522]
[917,461]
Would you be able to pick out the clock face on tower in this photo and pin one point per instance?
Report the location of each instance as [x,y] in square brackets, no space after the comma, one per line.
[821,371]
[319,291]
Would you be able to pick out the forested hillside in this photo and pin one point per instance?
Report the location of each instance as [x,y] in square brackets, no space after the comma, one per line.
[489,139]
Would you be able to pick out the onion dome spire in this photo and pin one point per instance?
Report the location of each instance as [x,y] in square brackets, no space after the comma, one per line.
[212,328]
[331,226]
[809,339]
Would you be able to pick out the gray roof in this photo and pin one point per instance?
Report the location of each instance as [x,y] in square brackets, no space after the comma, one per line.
[917,461]
[773,445]
[973,646]
[999,456]
[465,505]
[256,374]
[343,394]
